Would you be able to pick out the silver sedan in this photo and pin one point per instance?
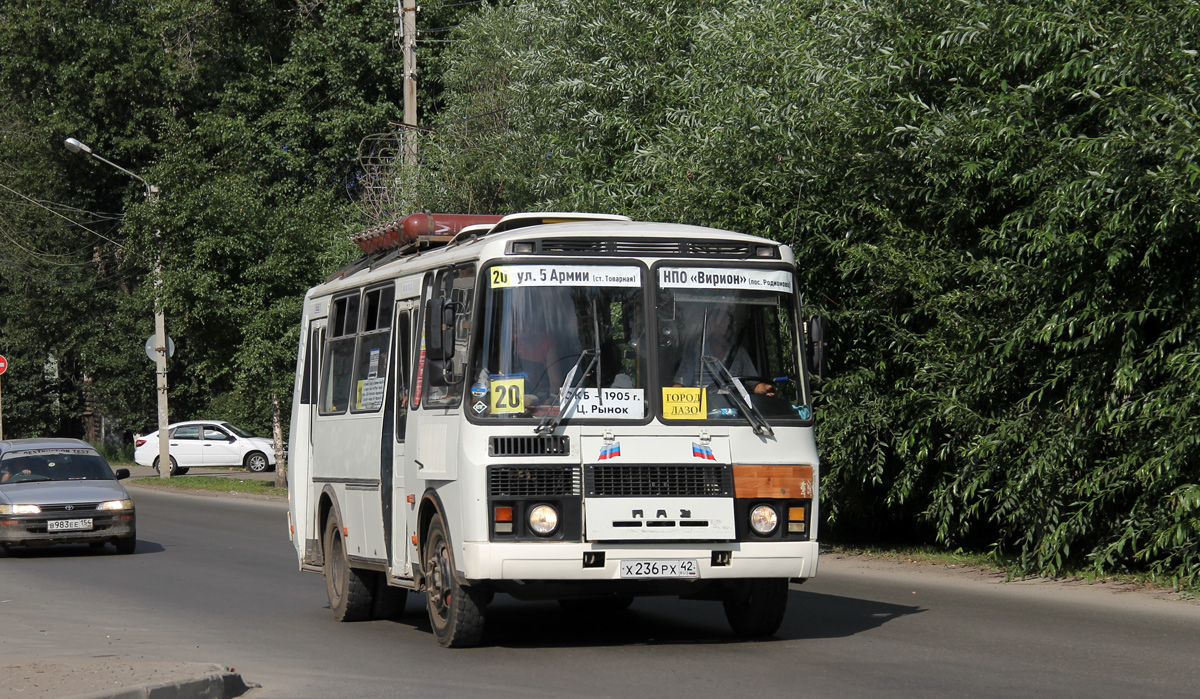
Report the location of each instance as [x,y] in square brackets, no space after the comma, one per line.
[58,491]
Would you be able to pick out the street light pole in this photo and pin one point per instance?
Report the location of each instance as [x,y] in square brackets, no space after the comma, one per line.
[160,325]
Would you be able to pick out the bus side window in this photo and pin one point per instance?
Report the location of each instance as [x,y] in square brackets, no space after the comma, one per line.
[339,358]
[444,379]
[374,339]
[403,362]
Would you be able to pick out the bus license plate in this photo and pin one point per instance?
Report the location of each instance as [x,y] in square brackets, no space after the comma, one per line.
[660,569]
[68,525]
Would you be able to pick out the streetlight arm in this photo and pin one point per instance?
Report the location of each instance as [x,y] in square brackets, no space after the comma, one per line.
[76,146]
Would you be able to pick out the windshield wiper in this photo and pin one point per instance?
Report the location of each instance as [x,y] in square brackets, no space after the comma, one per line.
[552,421]
[568,393]
[737,392]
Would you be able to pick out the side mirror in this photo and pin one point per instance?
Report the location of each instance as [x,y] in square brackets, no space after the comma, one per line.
[818,337]
[122,474]
[439,329]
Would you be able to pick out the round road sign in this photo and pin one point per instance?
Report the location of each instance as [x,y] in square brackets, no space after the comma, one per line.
[150,347]
[3,364]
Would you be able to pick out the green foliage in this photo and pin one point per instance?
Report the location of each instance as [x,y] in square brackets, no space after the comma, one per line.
[247,117]
[996,204]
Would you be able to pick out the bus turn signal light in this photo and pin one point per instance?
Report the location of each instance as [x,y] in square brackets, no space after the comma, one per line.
[772,481]
[503,516]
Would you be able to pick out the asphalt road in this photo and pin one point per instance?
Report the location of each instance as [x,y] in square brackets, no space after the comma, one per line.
[214,580]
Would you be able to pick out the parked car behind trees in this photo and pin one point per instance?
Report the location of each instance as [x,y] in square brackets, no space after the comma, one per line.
[207,443]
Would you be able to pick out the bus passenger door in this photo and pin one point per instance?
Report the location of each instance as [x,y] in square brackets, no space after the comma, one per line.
[302,493]
[395,492]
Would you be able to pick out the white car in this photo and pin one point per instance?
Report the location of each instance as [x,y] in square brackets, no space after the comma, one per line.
[207,443]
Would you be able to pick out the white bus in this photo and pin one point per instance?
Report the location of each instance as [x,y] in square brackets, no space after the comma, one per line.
[577,407]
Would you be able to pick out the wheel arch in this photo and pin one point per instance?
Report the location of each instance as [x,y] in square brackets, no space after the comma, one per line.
[327,504]
[431,505]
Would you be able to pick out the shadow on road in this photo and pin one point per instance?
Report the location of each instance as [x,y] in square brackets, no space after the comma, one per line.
[77,550]
[663,621]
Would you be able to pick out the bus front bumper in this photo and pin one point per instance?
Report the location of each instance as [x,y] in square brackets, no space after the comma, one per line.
[530,561]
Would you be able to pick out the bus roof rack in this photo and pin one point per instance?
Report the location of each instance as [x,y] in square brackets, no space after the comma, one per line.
[534,218]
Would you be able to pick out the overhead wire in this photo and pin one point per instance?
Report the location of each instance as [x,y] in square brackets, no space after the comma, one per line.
[47,208]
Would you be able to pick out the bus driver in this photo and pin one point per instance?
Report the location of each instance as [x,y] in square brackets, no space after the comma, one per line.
[719,341]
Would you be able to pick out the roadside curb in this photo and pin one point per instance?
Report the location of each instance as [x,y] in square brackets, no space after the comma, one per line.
[220,684]
[125,678]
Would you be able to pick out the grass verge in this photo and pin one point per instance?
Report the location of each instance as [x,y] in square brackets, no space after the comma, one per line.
[932,555]
[222,484]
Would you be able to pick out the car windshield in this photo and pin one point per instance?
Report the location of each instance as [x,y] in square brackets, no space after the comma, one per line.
[236,430]
[29,465]
[546,327]
[728,344]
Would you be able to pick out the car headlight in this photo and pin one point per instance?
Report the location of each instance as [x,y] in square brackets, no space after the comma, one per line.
[20,510]
[764,519]
[125,504]
[543,520]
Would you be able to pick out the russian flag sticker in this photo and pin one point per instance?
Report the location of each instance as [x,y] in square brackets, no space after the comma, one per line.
[702,452]
[610,451]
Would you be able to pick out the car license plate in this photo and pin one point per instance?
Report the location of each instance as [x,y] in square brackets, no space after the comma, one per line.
[68,525]
[660,569]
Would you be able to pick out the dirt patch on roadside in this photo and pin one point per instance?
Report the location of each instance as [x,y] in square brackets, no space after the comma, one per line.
[985,574]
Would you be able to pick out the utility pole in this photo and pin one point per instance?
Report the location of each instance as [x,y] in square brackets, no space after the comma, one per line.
[408,19]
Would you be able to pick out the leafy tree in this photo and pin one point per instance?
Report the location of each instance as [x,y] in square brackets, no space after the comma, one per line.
[995,203]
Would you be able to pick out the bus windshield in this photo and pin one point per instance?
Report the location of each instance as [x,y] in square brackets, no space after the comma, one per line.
[728,344]
[548,329]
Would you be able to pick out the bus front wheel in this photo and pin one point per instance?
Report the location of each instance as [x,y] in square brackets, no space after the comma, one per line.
[455,611]
[754,608]
[349,593]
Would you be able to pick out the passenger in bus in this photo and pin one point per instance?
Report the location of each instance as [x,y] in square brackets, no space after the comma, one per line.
[546,345]
[543,362]
[720,342]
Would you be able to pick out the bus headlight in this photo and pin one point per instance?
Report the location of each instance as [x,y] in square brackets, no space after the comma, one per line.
[764,519]
[543,520]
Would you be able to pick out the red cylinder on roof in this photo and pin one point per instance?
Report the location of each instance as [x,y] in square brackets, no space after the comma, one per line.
[416,226]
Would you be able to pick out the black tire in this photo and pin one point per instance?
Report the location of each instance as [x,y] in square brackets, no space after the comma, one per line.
[126,545]
[754,608]
[257,462]
[456,612]
[596,605]
[174,466]
[348,589]
[180,471]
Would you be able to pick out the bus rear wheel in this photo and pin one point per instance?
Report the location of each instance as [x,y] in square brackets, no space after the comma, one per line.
[754,608]
[456,611]
[349,593]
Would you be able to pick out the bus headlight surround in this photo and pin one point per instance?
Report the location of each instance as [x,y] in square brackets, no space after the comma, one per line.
[543,520]
[764,519]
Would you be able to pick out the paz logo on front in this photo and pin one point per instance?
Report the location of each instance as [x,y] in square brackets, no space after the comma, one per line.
[610,451]
[702,452]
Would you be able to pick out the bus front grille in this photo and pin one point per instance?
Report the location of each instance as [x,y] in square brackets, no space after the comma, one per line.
[532,445]
[670,480]
[532,481]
